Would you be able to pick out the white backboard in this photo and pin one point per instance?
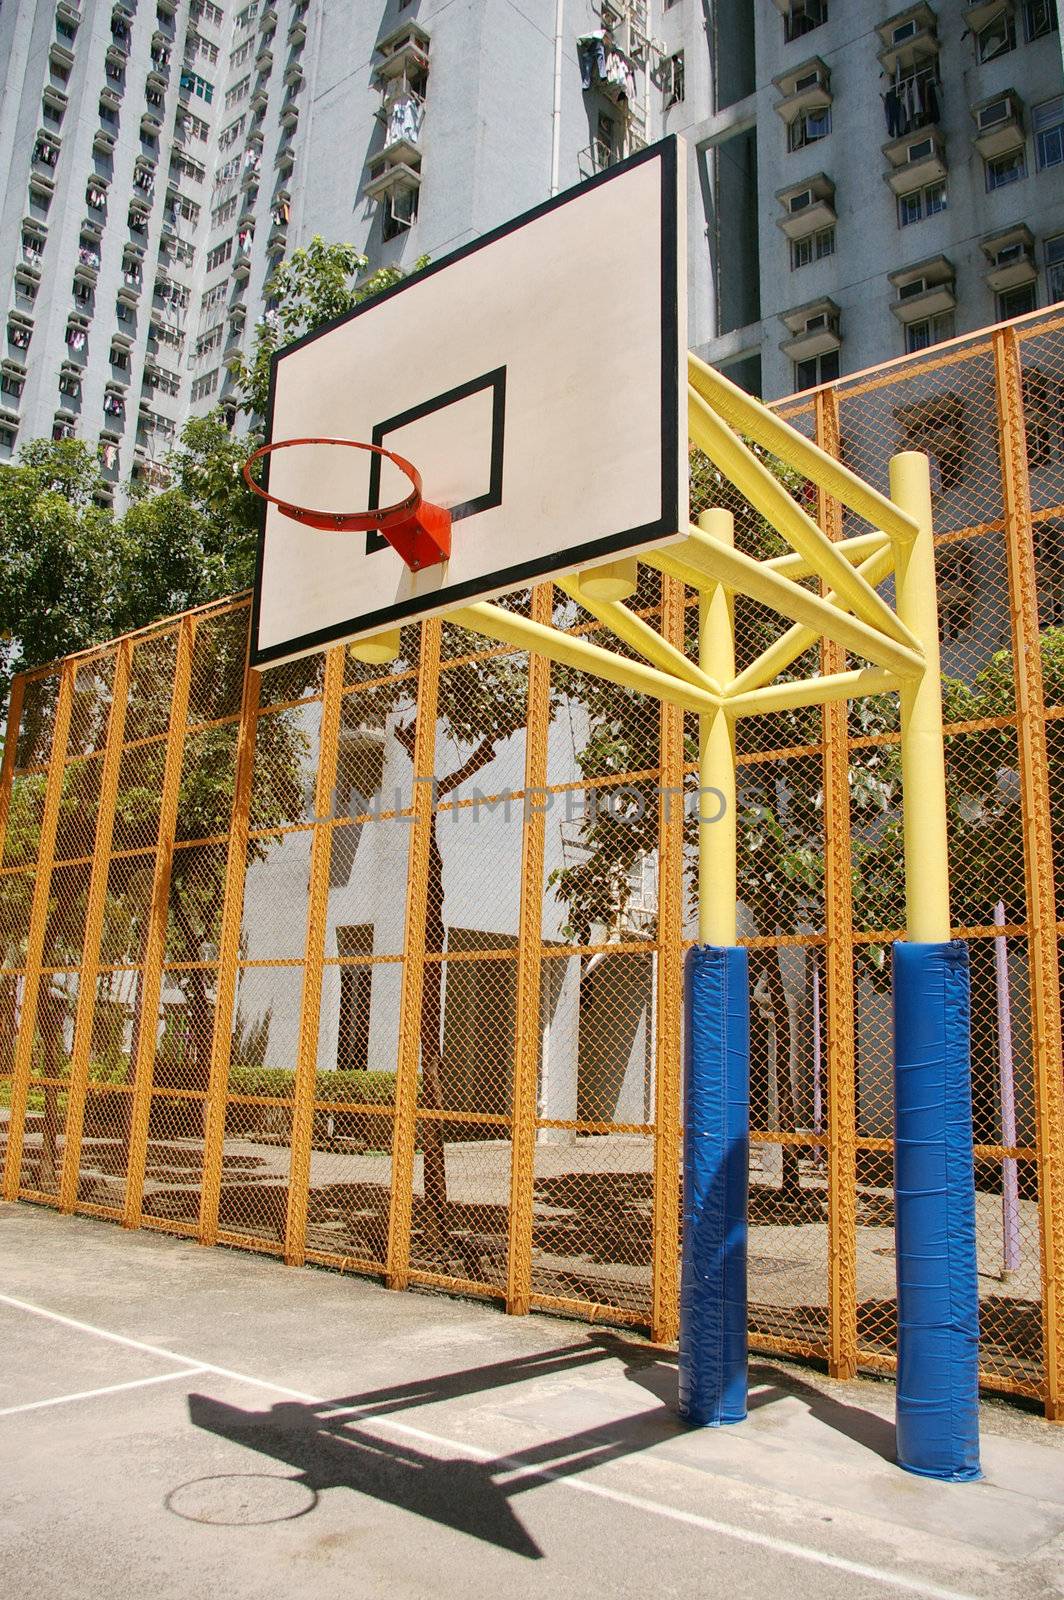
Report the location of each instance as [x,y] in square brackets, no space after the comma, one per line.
[536,378]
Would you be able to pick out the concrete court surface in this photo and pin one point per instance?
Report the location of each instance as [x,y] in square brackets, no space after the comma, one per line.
[177,1421]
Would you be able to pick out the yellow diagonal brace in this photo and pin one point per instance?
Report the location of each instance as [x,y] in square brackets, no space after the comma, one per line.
[812,691]
[797,640]
[856,549]
[742,411]
[700,559]
[767,495]
[507,628]
[637,633]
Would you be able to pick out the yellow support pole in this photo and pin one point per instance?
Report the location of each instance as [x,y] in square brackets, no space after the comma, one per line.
[614,580]
[42,882]
[529,961]
[404,1136]
[632,630]
[812,691]
[717,836]
[295,1239]
[750,417]
[665,1286]
[228,962]
[856,549]
[923,760]
[1035,803]
[767,495]
[798,639]
[94,919]
[699,559]
[155,938]
[571,651]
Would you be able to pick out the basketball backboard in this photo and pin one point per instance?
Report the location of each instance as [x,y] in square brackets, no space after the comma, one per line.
[535,377]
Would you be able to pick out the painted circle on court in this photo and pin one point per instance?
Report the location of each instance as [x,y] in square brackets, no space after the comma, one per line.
[241,1499]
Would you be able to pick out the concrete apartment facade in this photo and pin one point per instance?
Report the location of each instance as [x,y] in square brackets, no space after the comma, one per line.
[166,153]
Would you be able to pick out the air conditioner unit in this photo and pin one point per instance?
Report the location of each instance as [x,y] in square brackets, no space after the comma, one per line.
[922,148]
[1009,253]
[909,291]
[997,111]
[904,30]
[816,324]
[798,202]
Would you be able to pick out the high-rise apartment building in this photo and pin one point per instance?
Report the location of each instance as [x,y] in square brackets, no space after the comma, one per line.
[861,181]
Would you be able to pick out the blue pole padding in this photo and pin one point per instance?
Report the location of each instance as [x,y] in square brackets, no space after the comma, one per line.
[716,1149]
[934,1204]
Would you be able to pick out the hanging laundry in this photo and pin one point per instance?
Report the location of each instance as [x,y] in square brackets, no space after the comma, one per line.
[591,53]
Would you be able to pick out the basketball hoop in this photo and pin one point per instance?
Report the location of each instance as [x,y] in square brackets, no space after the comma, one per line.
[417,531]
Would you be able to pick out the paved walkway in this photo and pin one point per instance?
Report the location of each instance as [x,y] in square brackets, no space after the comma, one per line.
[177,1421]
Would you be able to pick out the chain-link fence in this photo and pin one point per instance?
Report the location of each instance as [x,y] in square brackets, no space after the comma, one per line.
[381,968]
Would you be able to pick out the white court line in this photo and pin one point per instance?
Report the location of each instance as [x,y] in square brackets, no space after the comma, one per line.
[90,1394]
[691,1519]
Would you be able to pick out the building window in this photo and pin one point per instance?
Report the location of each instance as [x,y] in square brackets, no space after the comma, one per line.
[1039,18]
[814,247]
[238,56]
[802,16]
[192,83]
[1016,302]
[1055,268]
[220,253]
[11,385]
[204,386]
[920,335]
[998,37]
[1048,122]
[672,80]
[237,93]
[400,213]
[224,213]
[808,128]
[817,369]
[1003,170]
[921,203]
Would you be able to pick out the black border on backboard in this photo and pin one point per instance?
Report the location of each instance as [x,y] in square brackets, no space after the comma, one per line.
[492,496]
[516,577]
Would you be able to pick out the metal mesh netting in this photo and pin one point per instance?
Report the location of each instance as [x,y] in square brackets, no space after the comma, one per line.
[287,964]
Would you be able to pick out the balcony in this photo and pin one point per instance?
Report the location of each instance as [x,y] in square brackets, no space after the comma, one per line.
[61,56]
[264,60]
[389,177]
[980,12]
[1010,254]
[807,206]
[804,88]
[999,124]
[404,50]
[68,13]
[909,40]
[915,161]
[924,290]
[814,329]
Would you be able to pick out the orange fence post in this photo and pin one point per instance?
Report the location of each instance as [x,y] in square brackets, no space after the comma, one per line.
[228,962]
[94,920]
[53,794]
[155,939]
[302,1135]
[529,958]
[1038,859]
[404,1137]
[838,974]
[665,1289]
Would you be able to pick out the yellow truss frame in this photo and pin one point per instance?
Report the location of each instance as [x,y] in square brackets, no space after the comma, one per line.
[899,644]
